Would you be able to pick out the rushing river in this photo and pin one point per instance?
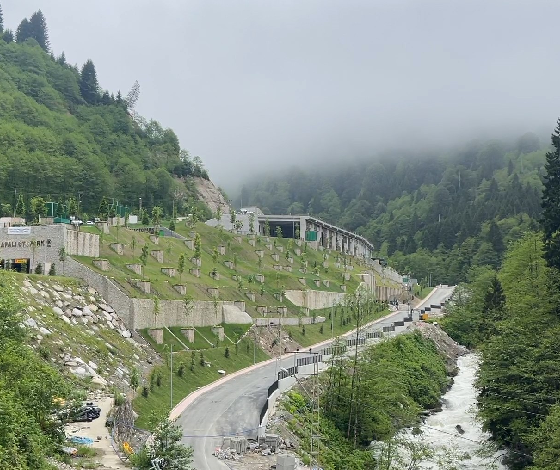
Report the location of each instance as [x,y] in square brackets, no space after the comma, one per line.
[459,405]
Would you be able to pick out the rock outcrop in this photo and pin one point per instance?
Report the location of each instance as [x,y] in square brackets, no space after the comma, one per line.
[210,195]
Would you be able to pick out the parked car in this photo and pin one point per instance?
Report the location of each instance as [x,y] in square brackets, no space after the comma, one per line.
[90,222]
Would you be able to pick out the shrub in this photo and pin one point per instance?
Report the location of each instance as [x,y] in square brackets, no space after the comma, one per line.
[39,269]
[226,352]
[145,391]
[52,270]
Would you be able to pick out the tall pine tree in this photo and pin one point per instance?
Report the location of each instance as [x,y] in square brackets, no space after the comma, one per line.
[39,30]
[550,220]
[89,88]
[24,31]
[8,36]
[1,20]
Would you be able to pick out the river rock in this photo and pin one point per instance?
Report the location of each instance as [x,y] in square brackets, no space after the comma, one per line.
[44,331]
[126,334]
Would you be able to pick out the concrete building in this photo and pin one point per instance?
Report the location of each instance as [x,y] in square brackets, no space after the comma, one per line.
[315,231]
[22,248]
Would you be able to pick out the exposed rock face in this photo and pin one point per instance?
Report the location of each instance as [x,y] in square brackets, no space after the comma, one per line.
[210,194]
[80,334]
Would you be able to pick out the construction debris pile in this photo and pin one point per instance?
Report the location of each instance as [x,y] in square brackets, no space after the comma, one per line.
[234,448]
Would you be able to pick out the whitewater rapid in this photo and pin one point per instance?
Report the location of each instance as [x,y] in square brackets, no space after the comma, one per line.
[459,408]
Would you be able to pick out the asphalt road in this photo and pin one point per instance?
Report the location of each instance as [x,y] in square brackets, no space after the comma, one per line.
[233,407]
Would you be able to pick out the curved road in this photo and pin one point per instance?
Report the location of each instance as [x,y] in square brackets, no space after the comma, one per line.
[233,407]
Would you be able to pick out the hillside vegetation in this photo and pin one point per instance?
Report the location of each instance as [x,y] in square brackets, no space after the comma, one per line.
[511,317]
[234,273]
[430,213]
[65,139]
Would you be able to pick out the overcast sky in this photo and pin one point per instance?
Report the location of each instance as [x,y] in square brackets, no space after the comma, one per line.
[247,83]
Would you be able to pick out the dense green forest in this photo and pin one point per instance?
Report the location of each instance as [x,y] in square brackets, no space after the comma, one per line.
[63,137]
[430,213]
[511,316]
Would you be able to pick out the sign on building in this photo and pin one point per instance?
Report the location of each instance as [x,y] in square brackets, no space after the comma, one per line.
[19,230]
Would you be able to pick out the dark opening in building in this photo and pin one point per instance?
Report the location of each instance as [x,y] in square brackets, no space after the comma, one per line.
[20,265]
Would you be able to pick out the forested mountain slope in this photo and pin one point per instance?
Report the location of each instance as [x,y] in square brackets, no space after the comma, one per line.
[429,213]
[62,136]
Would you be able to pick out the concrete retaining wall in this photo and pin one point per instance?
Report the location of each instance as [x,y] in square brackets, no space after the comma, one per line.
[313,299]
[82,243]
[290,321]
[139,313]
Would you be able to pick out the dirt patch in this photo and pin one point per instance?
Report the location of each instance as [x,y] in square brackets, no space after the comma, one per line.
[274,342]
[96,430]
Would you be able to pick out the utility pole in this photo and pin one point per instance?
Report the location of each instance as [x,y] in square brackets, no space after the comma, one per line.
[171,375]
[315,416]
[255,346]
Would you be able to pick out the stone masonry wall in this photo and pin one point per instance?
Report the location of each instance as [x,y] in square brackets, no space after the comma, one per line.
[106,287]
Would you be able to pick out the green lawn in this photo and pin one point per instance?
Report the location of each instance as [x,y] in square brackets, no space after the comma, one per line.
[242,253]
[422,292]
[201,334]
[313,333]
[158,399]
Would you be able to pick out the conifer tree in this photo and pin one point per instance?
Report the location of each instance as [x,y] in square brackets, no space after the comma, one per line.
[1,20]
[89,87]
[20,206]
[24,31]
[495,238]
[39,31]
[8,36]
[61,59]
[550,221]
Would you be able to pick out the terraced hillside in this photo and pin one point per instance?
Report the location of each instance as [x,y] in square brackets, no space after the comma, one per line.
[232,264]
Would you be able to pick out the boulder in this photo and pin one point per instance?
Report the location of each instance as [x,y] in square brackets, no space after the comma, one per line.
[31,323]
[44,331]
[76,312]
[87,312]
[98,380]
